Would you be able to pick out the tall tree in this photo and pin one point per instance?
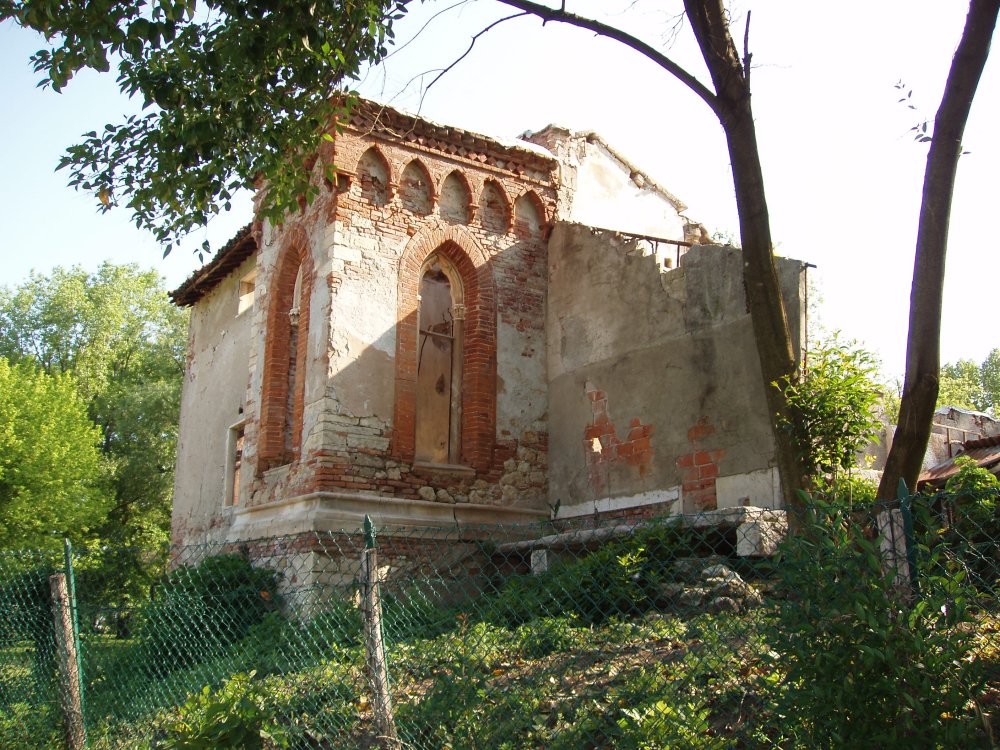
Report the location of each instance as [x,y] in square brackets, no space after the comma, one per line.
[122,341]
[923,342]
[51,472]
[970,386]
[232,89]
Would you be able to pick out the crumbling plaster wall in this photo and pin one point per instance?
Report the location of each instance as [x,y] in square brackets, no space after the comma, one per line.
[600,188]
[213,397]
[656,399]
[951,428]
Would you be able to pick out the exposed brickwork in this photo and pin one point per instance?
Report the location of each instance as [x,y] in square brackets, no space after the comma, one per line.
[699,470]
[604,449]
[283,380]
[399,200]
[406,555]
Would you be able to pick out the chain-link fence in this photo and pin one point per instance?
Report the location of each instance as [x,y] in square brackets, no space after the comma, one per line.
[868,626]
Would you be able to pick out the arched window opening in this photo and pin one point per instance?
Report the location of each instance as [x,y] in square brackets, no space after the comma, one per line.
[415,189]
[494,213]
[527,216]
[455,199]
[446,287]
[293,365]
[441,318]
[285,357]
[373,174]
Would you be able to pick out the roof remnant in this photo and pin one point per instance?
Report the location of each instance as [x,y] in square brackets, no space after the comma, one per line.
[984,451]
[202,281]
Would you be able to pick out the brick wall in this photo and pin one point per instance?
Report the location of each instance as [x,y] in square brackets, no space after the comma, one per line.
[407,190]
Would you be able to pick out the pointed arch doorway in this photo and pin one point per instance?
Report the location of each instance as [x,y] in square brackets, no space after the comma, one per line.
[440,354]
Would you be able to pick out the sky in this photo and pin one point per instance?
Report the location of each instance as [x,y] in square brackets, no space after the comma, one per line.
[842,171]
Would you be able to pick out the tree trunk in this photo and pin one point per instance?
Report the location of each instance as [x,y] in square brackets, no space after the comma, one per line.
[731,104]
[730,76]
[923,343]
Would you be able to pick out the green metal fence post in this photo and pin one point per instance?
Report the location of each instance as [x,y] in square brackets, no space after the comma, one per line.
[74,613]
[906,507]
[67,642]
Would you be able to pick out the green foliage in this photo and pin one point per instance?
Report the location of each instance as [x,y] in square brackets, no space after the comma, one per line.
[972,497]
[616,580]
[970,386]
[232,89]
[668,723]
[960,385]
[201,609]
[415,612]
[240,715]
[646,710]
[971,481]
[26,726]
[548,635]
[51,473]
[835,402]
[863,668]
[122,341]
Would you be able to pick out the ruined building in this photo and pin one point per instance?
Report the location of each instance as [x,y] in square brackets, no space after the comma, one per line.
[465,330]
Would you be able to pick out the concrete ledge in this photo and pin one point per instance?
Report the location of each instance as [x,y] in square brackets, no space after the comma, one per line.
[345,511]
[456,471]
[758,531]
[623,502]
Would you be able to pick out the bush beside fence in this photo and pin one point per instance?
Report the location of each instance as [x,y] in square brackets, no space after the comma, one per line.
[587,635]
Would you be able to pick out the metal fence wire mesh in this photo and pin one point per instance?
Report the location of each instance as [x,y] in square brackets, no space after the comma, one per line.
[870,626]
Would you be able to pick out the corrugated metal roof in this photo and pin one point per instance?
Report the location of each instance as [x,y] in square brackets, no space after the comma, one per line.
[985,452]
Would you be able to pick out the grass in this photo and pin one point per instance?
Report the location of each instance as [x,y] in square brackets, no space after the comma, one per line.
[586,656]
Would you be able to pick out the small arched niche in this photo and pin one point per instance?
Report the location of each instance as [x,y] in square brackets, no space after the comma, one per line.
[494,212]
[528,216]
[455,199]
[415,189]
[373,174]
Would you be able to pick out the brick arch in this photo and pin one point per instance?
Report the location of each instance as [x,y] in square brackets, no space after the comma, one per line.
[409,194]
[530,199]
[272,449]
[479,390]
[495,218]
[466,208]
[373,153]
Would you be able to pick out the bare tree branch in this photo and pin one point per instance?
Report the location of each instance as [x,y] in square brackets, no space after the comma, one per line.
[423,28]
[465,54]
[601,29]
[746,50]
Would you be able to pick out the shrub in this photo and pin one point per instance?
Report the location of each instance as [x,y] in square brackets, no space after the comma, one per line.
[201,609]
[835,405]
[237,716]
[617,580]
[645,710]
[862,668]
[547,635]
[972,499]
